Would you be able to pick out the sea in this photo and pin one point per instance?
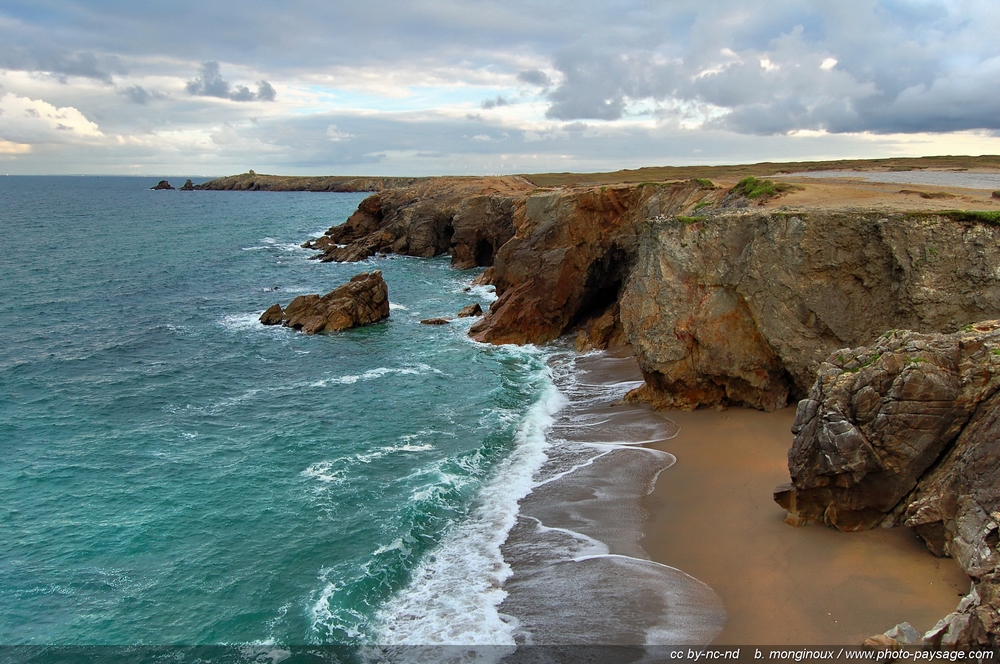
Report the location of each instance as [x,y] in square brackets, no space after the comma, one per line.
[175,474]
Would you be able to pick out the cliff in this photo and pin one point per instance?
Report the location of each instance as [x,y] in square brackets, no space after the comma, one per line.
[251,181]
[727,299]
[741,307]
[471,218]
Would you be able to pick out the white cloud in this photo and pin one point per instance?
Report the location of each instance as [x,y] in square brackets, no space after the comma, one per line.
[336,135]
[29,121]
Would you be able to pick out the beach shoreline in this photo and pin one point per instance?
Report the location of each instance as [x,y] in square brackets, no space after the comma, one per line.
[711,515]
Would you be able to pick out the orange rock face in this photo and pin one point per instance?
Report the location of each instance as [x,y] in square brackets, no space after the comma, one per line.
[572,252]
[361,301]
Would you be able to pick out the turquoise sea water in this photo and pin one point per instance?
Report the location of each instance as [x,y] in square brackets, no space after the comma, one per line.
[175,473]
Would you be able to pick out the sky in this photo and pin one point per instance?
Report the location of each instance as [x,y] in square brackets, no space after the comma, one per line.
[492,87]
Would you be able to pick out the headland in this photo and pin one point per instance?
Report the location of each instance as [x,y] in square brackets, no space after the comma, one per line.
[758,287]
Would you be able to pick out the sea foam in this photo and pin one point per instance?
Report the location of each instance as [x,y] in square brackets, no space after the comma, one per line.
[455,591]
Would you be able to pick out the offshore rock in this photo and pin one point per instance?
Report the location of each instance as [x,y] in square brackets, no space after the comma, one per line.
[907,431]
[470,218]
[362,301]
[434,321]
[470,310]
[741,308]
[188,186]
[162,185]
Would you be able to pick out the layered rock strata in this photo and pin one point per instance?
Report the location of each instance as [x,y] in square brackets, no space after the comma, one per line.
[907,431]
[361,301]
[742,307]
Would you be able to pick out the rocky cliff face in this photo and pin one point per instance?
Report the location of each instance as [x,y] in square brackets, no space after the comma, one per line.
[570,255]
[741,307]
[907,430]
[470,218]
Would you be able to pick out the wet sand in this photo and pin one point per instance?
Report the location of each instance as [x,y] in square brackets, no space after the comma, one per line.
[711,515]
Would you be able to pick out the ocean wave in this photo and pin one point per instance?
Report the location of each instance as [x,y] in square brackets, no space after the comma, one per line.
[455,591]
[372,374]
[241,322]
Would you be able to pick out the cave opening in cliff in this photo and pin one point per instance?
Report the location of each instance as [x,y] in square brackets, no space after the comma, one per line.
[603,284]
[444,241]
[483,254]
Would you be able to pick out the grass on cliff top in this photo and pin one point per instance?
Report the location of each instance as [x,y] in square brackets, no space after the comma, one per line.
[736,171]
[753,188]
[988,216]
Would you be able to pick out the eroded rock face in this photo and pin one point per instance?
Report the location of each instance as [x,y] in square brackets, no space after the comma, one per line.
[572,252]
[361,301]
[879,416]
[907,430]
[470,218]
[741,308]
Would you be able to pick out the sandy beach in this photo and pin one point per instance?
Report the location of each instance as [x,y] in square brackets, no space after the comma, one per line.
[711,515]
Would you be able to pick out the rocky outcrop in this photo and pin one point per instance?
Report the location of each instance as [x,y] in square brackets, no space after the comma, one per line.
[907,431]
[742,307]
[469,218]
[187,186]
[572,252]
[470,310]
[162,185]
[362,301]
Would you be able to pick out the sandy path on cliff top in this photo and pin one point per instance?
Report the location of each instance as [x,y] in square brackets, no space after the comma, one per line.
[711,515]
[840,193]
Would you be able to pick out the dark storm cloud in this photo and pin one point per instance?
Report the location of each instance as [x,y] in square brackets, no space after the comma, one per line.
[493,103]
[534,77]
[60,62]
[140,95]
[912,68]
[211,84]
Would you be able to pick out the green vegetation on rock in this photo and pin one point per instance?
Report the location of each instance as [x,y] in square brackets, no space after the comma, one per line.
[988,216]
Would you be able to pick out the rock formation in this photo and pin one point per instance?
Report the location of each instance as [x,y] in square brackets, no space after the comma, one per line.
[742,307]
[470,218]
[907,431]
[162,185]
[252,181]
[188,186]
[572,252]
[362,301]
[470,310]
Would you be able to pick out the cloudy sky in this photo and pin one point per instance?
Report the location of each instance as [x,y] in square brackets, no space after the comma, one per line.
[435,87]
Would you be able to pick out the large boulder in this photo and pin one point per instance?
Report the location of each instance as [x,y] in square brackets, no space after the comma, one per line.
[362,301]
[907,431]
[879,417]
